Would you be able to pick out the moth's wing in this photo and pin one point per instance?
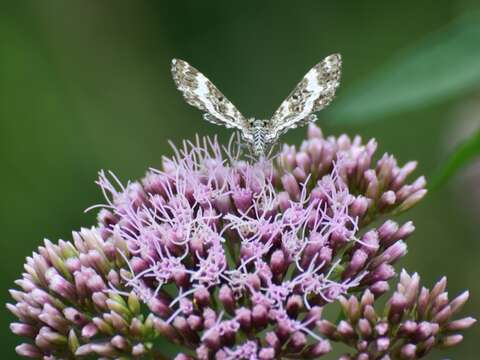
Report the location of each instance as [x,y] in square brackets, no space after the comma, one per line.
[200,92]
[313,93]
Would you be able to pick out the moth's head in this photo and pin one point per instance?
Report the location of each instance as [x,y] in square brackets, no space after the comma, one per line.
[257,122]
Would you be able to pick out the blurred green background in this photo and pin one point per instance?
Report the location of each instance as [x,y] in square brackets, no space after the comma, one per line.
[85,85]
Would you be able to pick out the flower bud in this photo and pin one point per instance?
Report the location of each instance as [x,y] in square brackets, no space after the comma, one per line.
[451,340]
[408,352]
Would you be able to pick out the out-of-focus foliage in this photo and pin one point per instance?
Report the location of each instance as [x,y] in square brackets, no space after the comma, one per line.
[441,65]
[465,152]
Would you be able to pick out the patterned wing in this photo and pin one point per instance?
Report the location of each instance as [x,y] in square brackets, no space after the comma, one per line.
[313,93]
[200,92]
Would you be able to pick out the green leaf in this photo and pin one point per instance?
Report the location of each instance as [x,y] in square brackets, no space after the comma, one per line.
[443,64]
[464,153]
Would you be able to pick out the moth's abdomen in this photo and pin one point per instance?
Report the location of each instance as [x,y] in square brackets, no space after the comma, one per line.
[259,140]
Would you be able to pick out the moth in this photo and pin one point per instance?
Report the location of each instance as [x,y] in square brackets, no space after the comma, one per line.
[314,92]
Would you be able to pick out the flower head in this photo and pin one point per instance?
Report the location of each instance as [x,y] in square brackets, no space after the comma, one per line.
[272,242]
[414,321]
[66,309]
[236,259]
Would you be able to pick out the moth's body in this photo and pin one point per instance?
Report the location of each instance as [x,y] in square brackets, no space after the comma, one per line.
[313,93]
[259,132]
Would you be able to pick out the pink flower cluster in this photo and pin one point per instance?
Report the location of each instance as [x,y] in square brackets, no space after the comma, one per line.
[221,246]
[231,258]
